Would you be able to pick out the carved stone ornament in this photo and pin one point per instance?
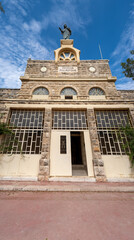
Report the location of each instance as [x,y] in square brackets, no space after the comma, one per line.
[92,69]
[43,69]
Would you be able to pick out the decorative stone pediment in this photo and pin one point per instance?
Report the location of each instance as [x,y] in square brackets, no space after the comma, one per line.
[67,53]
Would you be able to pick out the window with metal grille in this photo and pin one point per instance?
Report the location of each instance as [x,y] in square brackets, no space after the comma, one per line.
[68,91]
[95,91]
[111,138]
[69,120]
[63,145]
[40,91]
[27,128]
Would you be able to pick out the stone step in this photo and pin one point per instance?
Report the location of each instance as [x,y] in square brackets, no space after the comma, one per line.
[79,172]
[78,167]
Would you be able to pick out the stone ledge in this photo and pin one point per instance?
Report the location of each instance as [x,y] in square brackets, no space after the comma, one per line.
[65,188]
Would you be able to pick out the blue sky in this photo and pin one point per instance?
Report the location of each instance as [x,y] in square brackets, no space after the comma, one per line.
[29,29]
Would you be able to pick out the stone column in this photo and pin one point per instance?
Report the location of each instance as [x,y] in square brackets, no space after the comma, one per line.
[44,165]
[98,163]
[4,111]
[132,114]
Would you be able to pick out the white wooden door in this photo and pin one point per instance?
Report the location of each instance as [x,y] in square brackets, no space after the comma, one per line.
[60,154]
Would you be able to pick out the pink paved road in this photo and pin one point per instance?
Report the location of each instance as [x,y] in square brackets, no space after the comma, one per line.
[66,216]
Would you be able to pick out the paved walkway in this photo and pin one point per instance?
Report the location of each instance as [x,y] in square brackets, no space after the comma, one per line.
[65,186]
[66,216]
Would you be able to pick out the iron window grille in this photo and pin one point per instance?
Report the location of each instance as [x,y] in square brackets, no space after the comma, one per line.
[63,145]
[95,91]
[40,91]
[111,138]
[69,120]
[27,128]
[68,91]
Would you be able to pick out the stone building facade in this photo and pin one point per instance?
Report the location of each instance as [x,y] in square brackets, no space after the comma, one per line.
[66,118]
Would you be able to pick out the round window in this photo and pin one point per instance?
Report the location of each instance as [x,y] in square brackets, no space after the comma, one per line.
[66,55]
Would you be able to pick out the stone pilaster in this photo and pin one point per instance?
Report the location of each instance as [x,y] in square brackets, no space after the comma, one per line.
[98,163]
[132,114]
[44,165]
[4,111]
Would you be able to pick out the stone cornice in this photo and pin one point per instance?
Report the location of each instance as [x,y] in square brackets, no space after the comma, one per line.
[57,78]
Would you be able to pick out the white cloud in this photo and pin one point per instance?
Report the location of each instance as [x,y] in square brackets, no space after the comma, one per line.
[21,35]
[122,52]
[34,26]
[10,74]
[18,42]
[69,12]
[21,6]
[127,41]
[127,85]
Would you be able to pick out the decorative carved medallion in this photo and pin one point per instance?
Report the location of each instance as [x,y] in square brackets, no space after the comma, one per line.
[43,69]
[92,69]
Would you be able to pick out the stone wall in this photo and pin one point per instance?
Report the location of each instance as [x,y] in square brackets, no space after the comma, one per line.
[97,158]
[8,93]
[127,94]
[82,81]
[26,90]
[4,111]
[44,167]
[33,68]
[82,88]
[132,115]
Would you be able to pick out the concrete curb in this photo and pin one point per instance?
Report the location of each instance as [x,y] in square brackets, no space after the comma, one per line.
[33,188]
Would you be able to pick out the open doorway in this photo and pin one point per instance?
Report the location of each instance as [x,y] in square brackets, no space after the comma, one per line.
[78,155]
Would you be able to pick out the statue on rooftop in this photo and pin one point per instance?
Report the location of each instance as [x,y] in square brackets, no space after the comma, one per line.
[66,32]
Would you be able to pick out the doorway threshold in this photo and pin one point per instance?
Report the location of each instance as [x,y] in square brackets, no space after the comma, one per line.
[79,173]
[72,179]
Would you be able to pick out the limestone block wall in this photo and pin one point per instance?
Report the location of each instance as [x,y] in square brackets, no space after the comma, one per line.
[82,88]
[97,158]
[132,115]
[28,87]
[55,80]
[8,93]
[4,111]
[44,164]
[33,68]
[127,94]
